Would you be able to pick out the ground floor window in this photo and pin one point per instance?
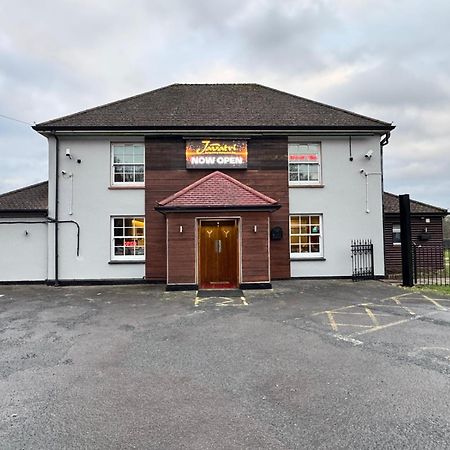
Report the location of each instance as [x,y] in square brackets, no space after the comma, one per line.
[306,235]
[128,238]
[396,239]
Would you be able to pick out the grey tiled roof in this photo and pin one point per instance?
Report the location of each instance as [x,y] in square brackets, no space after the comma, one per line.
[215,106]
[31,198]
[391,206]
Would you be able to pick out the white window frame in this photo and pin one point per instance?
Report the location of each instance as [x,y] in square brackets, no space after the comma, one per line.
[396,229]
[306,255]
[113,164]
[115,257]
[319,166]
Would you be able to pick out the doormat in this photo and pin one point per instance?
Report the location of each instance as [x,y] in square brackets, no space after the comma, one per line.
[205,293]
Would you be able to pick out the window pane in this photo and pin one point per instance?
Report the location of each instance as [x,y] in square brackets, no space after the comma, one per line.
[295,220]
[315,220]
[295,230]
[118,222]
[314,172]
[304,220]
[304,248]
[315,229]
[129,251]
[303,172]
[295,239]
[118,154]
[139,155]
[295,248]
[118,251]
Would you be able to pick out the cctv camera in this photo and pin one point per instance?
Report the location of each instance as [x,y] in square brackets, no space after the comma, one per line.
[362,171]
[369,154]
[63,172]
[68,154]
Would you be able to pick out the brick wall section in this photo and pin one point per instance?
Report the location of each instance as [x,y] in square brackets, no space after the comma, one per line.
[166,174]
[182,247]
[393,253]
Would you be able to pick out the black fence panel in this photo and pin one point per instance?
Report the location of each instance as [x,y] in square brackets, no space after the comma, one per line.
[362,260]
[431,265]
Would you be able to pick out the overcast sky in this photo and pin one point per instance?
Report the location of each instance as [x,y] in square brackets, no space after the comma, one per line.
[386,59]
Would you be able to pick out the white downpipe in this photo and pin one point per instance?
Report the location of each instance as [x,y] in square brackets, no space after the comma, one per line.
[366,174]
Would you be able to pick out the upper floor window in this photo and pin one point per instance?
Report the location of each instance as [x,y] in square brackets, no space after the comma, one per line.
[127,164]
[304,164]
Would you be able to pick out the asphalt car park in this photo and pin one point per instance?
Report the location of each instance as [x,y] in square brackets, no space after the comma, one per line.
[308,364]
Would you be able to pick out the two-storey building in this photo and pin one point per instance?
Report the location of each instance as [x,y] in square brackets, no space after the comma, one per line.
[212,185]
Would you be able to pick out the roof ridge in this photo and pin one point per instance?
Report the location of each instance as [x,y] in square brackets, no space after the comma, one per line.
[15,191]
[104,105]
[324,104]
[419,203]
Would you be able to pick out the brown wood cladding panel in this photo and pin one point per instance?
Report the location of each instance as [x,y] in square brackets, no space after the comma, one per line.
[166,174]
[181,248]
[393,253]
[255,257]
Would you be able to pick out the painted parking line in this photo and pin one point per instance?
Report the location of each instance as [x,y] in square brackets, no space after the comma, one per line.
[220,301]
[362,318]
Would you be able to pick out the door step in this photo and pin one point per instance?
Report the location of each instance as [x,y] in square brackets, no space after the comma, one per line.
[205,293]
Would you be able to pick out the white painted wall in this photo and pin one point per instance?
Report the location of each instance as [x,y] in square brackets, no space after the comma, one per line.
[23,247]
[342,201]
[93,204]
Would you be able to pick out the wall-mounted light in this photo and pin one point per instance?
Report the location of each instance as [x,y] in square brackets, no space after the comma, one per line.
[68,153]
[181,228]
[26,233]
[255,228]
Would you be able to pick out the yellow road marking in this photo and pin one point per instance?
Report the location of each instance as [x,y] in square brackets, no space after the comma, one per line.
[359,313]
[341,309]
[353,325]
[332,321]
[372,317]
[381,327]
[396,300]
[434,303]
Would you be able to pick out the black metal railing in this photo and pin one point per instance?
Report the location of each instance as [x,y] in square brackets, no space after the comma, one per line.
[362,260]
[431,265]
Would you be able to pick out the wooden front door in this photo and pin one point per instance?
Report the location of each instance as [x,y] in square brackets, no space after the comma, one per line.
[218,254]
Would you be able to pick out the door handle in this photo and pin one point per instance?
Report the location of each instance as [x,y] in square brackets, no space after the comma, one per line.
[218,246]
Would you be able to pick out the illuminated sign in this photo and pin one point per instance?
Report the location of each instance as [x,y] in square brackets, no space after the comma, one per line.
[308,157]
[216,154]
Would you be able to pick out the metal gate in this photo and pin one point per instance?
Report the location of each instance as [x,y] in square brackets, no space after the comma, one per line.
[431,264]
[362,260]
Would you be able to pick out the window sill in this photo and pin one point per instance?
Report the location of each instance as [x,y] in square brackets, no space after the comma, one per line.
[307,186]
[141,186]
[131,261]
[299,258]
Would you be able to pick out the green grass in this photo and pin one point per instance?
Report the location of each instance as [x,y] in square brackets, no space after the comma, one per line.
[432,288]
